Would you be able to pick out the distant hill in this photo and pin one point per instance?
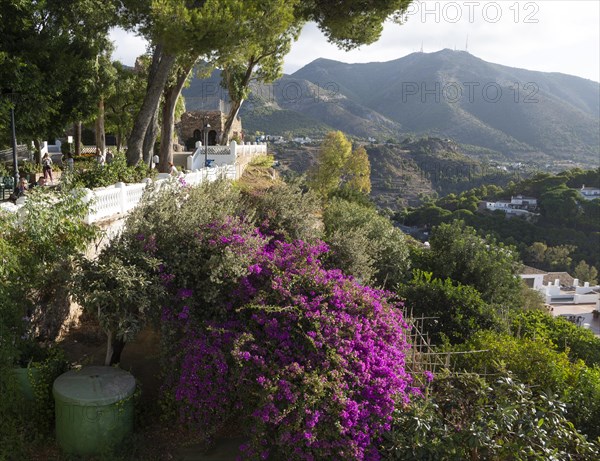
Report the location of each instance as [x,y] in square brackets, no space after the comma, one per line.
[407,173]
[517,113]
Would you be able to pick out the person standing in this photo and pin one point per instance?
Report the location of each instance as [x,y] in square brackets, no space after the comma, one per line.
[47,167]
[100,157]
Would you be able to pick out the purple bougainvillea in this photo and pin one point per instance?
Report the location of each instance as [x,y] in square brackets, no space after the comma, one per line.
[311,361]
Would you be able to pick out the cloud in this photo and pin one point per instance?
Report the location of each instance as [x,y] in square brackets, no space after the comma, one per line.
[543,35]
[127,46]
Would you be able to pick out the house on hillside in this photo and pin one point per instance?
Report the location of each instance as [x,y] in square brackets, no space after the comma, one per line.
[517,206]
[524,202]
[191,128]
[533,278]
[560,287]
[589,193]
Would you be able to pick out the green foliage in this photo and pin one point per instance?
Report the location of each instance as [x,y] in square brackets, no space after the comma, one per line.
[357,171]
[458,253]
[123,284]
[338,166]
[534,361]
[546,366]
[365,244]
[550,258]
[97,175]
[561,204]
[464,417]
[124,101]
[579,343]
[563,230]
[584,402]
[121,288]
[47,55]
[44,239]
[286,211]
[26,168]
[265,161]
[454,311]
[327,174]
[24,421]
[586,273]
[350,24]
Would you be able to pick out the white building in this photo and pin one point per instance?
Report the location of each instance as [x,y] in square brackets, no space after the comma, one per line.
[589,193]
[520,200]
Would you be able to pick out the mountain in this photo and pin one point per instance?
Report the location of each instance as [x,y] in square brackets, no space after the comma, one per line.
[521,114]
[455,94]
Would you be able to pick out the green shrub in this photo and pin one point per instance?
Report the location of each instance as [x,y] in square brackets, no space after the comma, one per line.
[26,167]
[5,169]
[453,311]
[265,161]
[286,211]
[365,244]
[467,418]
[532,360]
[91,174]
[578,343]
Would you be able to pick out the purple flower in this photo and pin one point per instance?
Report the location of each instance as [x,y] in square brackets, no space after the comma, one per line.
[185,293]
[428,376]
[255,269]
[184,314]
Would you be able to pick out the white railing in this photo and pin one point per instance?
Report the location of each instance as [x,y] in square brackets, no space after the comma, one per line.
[224,155]
[118,200]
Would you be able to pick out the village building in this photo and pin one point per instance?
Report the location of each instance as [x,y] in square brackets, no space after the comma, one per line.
[517,206]
[589,193]
[191,128]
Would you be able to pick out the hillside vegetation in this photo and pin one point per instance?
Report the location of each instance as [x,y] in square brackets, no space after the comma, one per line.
[566,224]
[409,172]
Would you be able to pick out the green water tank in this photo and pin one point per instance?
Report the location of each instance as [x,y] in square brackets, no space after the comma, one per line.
[94,409]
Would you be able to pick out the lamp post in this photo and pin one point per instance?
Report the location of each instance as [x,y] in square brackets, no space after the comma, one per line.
[12,97]
[206,127]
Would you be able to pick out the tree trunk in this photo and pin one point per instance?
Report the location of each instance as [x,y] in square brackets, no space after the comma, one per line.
[109,348]
[119,137]
[100,133]
[38,151]
[114,349]
[171,94]
[233,113]
[236,103]
[77,129]
[157,78]
[150,139]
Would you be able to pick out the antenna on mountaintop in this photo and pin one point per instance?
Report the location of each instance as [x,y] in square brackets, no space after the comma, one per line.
[467,44]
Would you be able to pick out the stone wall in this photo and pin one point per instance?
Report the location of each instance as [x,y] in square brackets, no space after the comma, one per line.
[190,128]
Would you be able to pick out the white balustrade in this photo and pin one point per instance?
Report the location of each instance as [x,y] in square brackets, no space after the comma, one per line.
[120,198]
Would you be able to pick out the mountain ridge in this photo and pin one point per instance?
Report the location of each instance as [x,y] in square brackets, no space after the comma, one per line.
[518,113]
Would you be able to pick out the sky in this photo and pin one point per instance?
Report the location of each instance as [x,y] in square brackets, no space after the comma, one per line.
[544,35]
